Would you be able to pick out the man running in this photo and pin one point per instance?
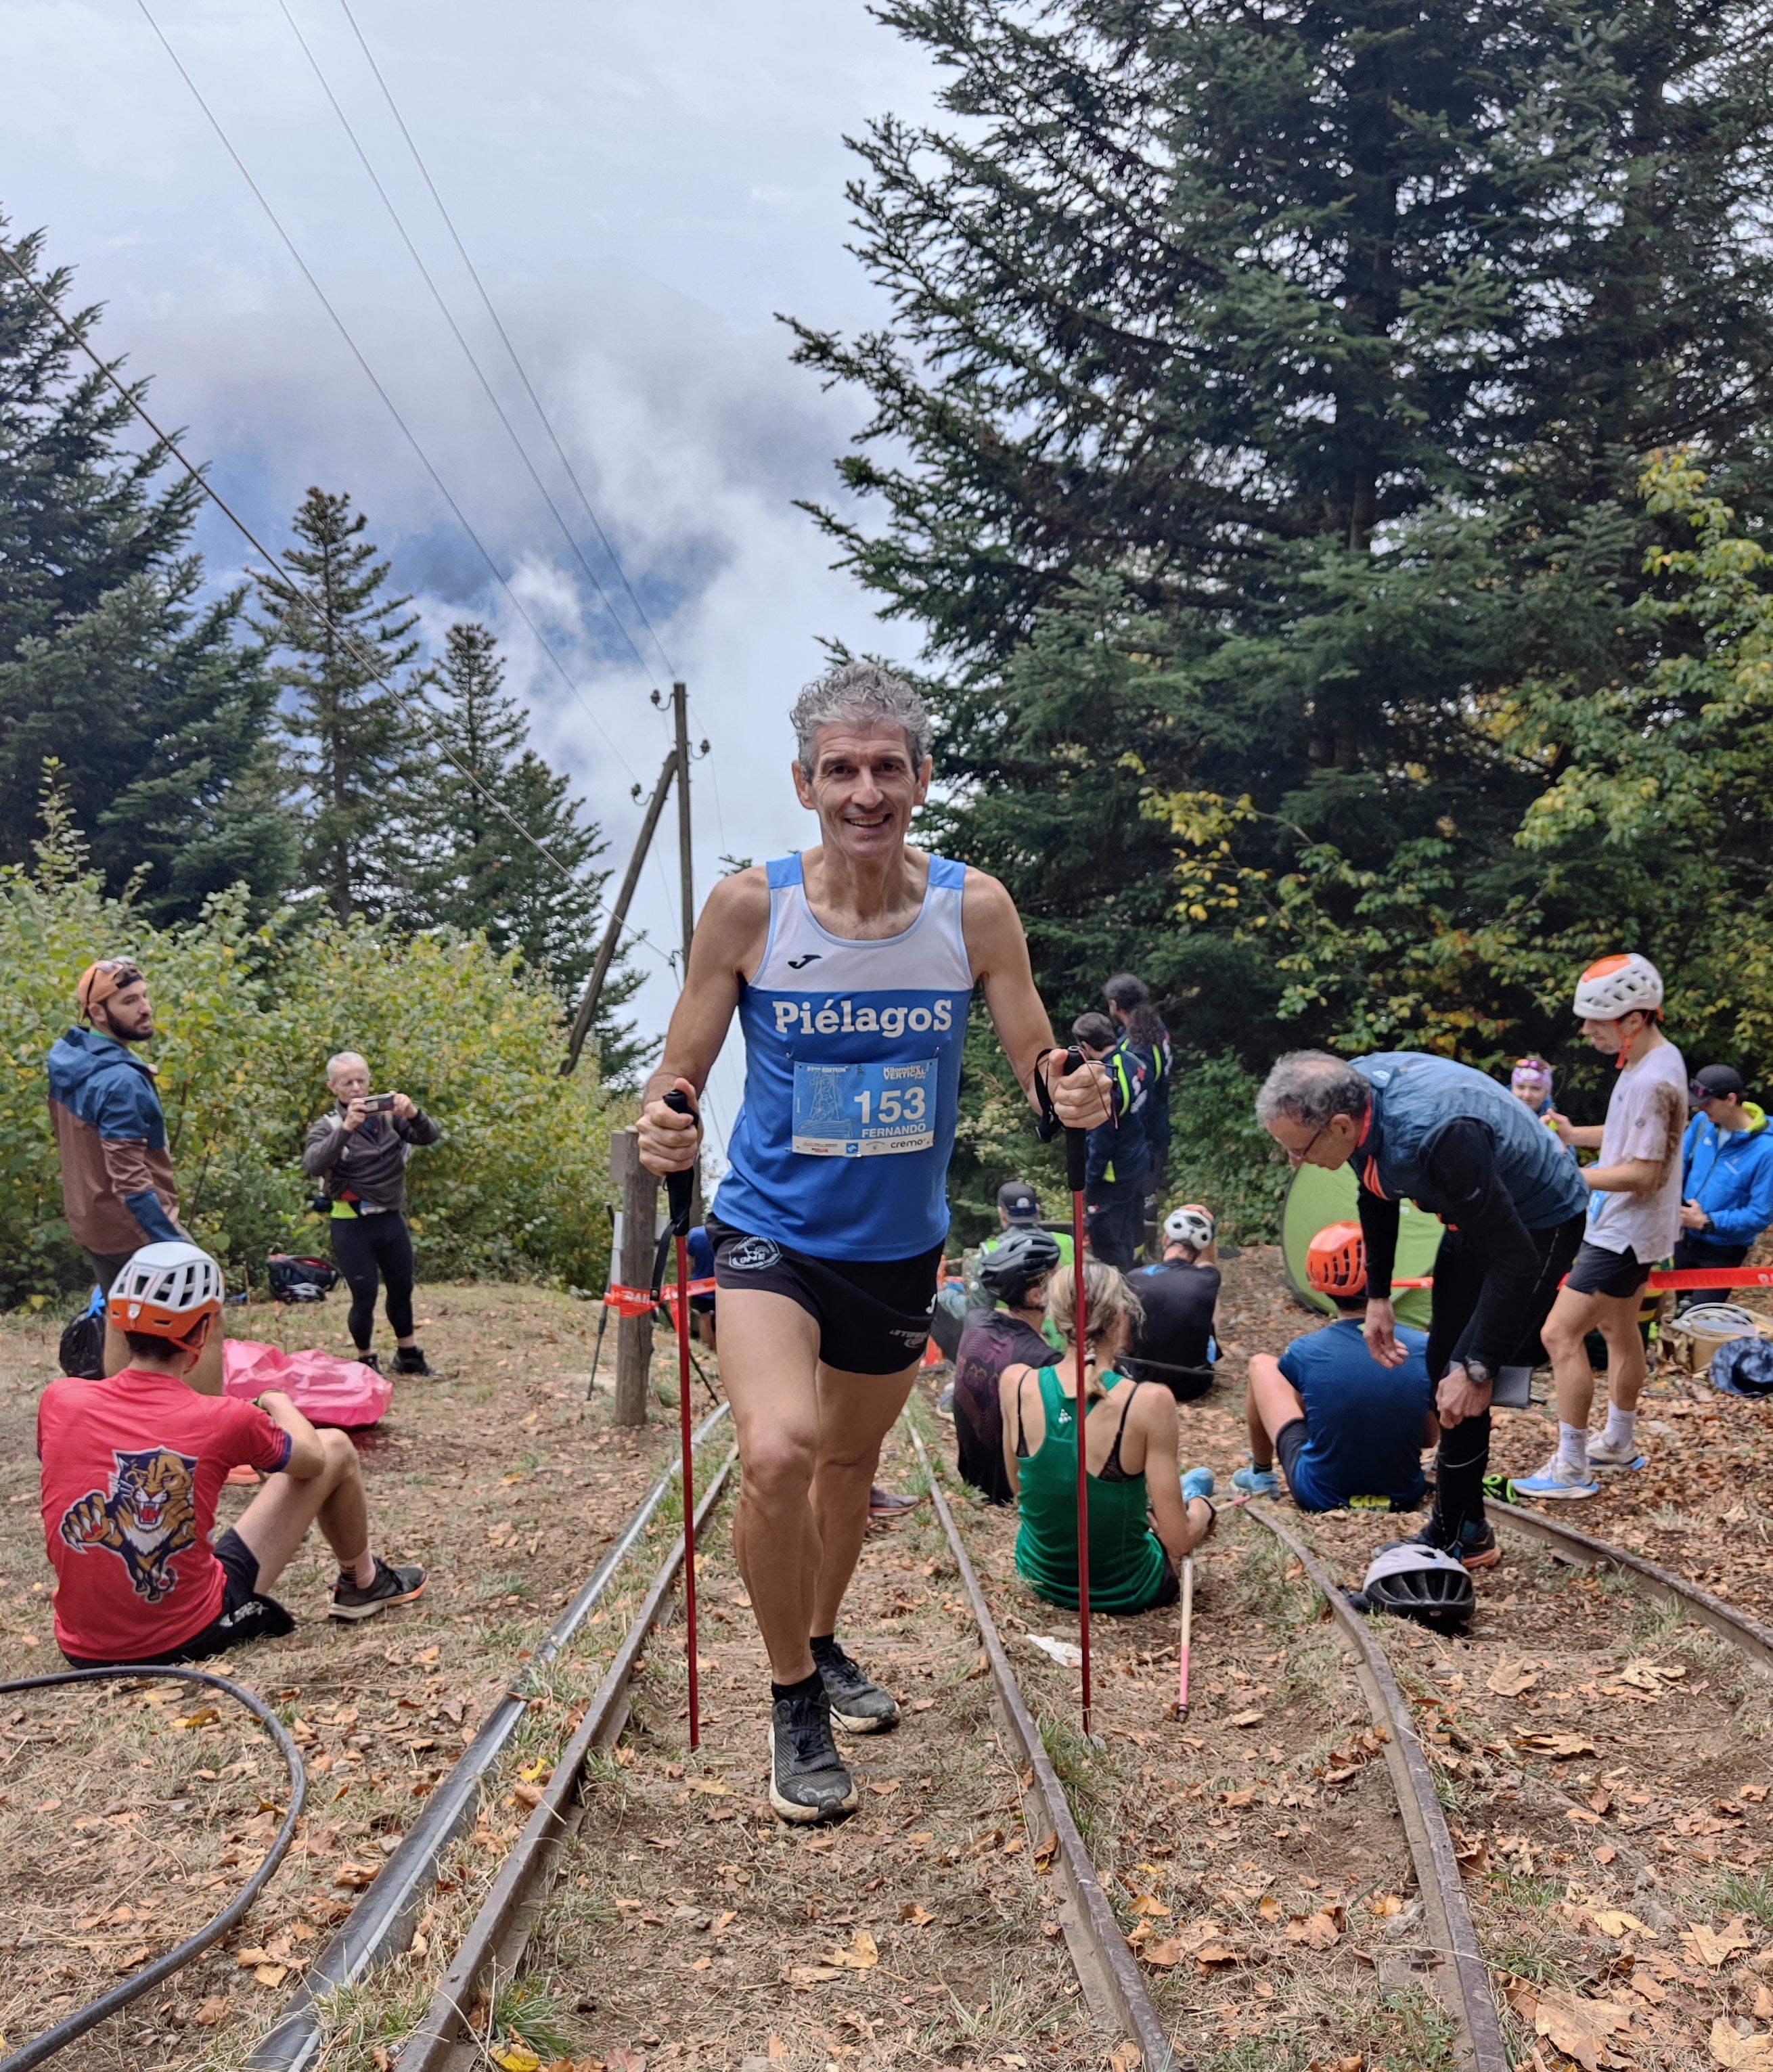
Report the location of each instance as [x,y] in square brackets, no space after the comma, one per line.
[850,966]
[1463,1148]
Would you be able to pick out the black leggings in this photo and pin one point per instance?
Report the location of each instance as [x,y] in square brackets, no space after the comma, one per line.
[365,1246]
[1463,1457]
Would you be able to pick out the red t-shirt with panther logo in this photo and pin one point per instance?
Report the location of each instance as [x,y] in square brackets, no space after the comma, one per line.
[132,1466]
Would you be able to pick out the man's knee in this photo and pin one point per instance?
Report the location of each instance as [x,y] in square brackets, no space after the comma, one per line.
[778,1467]
[1565,1329]
[340,1456]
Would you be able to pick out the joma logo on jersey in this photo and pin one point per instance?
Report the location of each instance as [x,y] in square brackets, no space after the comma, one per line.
[842,1017]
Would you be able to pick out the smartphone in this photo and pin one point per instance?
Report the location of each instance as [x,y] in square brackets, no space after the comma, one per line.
[1513,1388]
[377,1103]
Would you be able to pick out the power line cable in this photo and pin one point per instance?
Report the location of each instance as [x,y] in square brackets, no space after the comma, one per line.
[498,323]
[394,410]
[468,350]
[284,581]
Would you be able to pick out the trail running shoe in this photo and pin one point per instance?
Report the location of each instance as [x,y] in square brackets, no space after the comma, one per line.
[410,1359]
[1478,1546]
[1253,1481]
[1556,1480]
[883,1503]
[1198,1481]
[390,1586]
[1600,1455]
[370,1360]
[858,1703]
[945,1404]
[807,1781]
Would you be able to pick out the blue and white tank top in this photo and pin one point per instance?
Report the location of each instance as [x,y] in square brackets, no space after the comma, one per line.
[852,1079]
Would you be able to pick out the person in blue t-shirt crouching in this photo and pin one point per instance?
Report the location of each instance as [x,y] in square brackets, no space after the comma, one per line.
[1347,1429]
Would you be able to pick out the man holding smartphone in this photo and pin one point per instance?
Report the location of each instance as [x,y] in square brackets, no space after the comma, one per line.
[360,1151]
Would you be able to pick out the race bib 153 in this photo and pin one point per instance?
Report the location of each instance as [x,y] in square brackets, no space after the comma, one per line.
[864,1111]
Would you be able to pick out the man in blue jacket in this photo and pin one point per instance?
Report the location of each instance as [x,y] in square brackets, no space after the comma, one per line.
[117,1189]
[1120,1151]
[1726,1178]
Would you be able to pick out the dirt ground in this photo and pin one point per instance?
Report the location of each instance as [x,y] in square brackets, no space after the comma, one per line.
[127,1819]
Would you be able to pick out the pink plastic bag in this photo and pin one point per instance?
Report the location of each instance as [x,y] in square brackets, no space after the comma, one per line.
[326,1391]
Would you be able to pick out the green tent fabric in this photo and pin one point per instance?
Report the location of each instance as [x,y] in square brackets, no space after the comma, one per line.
[1316,1196]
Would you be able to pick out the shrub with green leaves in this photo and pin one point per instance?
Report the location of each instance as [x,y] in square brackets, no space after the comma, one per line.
[518,1187]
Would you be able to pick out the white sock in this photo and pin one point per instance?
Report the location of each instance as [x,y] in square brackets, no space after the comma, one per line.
[1573,1446]
[1621,1426]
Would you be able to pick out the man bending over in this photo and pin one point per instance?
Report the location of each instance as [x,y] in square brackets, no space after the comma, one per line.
[850,966]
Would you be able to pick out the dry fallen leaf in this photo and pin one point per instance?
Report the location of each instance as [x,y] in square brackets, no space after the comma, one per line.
[1221,1952]
[1712,1947]
[776,2048]
[515,2058]
[213,2010]
[1615,1924]
[1171,1951]
[1249,1719]
[1763,2005]
[1559,1747]
[1270,1908]
[271,1975]
[1384,1904]
[1317,1931]
[861,1955]
[805,1977]
[1509,1680]
[1146,1904]
[919,1917]
[1728,2048]
[1579,2028]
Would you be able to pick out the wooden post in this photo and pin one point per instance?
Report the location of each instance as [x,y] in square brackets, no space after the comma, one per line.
[634,1269]
[680,715]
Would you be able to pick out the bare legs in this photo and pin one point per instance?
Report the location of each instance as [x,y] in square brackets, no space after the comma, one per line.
[1270,1404]
[1573,1317]
[809,1439]
[276,1522]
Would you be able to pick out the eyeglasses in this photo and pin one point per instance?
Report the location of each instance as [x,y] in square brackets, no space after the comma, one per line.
[1299,1157]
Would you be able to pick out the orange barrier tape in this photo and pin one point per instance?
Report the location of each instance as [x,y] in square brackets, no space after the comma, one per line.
[636,1302]
[1674,1276]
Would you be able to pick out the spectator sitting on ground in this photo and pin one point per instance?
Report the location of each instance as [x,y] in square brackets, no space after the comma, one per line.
[1173,1343]
[1726,1178]
[118,1192]
[1347,1429]
[1145,1515]
[132,1466]
[1018,1208]
[360,1151]
[1014,1272]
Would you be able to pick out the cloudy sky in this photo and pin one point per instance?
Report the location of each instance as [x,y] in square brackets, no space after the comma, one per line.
[641,188]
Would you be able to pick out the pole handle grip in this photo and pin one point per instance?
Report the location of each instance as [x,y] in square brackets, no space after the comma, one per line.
[681,1187]
[1077,1143]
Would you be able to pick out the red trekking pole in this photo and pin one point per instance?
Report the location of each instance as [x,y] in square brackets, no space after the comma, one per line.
[679,1194]
[1076,1159]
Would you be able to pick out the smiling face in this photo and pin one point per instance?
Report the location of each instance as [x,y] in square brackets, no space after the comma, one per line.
[865,788]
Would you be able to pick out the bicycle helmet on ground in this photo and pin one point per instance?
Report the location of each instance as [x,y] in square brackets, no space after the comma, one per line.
[1413,1581]
[1335,1261]
[167,1291]
[1616,986]
[1023,1257]
[1190,1225]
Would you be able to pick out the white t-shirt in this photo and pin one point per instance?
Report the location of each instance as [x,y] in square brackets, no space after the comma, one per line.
[1645,1119]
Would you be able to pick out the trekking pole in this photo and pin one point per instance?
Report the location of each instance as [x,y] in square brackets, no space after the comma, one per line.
[1077,1160]
[1187,1634]
[680,1193]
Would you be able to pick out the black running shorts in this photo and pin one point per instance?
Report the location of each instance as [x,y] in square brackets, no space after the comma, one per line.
[1599,1272]
[872,1314]
[247,1613]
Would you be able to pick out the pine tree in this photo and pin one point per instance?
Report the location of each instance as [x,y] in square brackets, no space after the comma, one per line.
[1264,405]
[156,713]
[349,726]
[471,868]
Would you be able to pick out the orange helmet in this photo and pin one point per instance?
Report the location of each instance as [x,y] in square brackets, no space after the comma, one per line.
[1335,1260]
[167,1291]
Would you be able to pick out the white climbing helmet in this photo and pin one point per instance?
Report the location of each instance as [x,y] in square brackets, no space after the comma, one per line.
[1616,985]
[1191,1224]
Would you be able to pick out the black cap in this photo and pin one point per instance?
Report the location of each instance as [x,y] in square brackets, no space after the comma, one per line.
[1017,1200]
[1716,1082]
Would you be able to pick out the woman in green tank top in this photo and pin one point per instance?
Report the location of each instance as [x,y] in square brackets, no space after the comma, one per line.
[1141,1521]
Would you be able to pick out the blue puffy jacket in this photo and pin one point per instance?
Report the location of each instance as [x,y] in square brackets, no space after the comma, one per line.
[117,1190]
[1730,1174]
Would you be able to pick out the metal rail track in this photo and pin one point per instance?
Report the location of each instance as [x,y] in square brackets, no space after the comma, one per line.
[497,1937]
[1454,1940]
[1106,1968]
[381,1923]
[1754,1640]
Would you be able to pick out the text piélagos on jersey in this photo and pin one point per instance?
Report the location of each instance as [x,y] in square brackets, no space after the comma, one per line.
[842,1018]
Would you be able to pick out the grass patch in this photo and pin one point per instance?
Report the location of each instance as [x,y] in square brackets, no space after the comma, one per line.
[1745,1892]
[528,2012]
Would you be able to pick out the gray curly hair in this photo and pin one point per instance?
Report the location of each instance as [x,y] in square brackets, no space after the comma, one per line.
[860,691]
[1310,1087]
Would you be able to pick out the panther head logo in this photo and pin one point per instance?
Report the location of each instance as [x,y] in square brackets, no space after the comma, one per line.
[147,1517]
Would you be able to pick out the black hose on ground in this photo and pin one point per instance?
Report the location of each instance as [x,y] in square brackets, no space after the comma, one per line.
[145,1981]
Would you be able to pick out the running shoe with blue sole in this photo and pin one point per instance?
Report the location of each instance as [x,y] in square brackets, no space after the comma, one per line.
[1256,1482]
[1558,1481]
[1609,1459]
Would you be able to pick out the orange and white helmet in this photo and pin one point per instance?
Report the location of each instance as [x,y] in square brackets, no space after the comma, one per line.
[1616,985]
[166,1291]
[1335,1260]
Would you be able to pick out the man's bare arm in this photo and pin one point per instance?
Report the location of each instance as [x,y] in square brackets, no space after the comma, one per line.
[729,939]
[999,952]
[1631,1176]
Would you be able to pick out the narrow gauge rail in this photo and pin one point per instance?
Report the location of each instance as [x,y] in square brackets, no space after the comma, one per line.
[382,1922]
[1453,1937]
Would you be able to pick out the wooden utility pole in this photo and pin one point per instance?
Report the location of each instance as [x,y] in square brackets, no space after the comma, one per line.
[618,913]
[634,1269]
[680,714]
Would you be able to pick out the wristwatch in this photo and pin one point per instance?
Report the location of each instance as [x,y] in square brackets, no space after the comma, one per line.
[1479,1376]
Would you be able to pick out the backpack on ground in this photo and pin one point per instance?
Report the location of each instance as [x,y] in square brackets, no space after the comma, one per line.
[83,1341]
[295,1280]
